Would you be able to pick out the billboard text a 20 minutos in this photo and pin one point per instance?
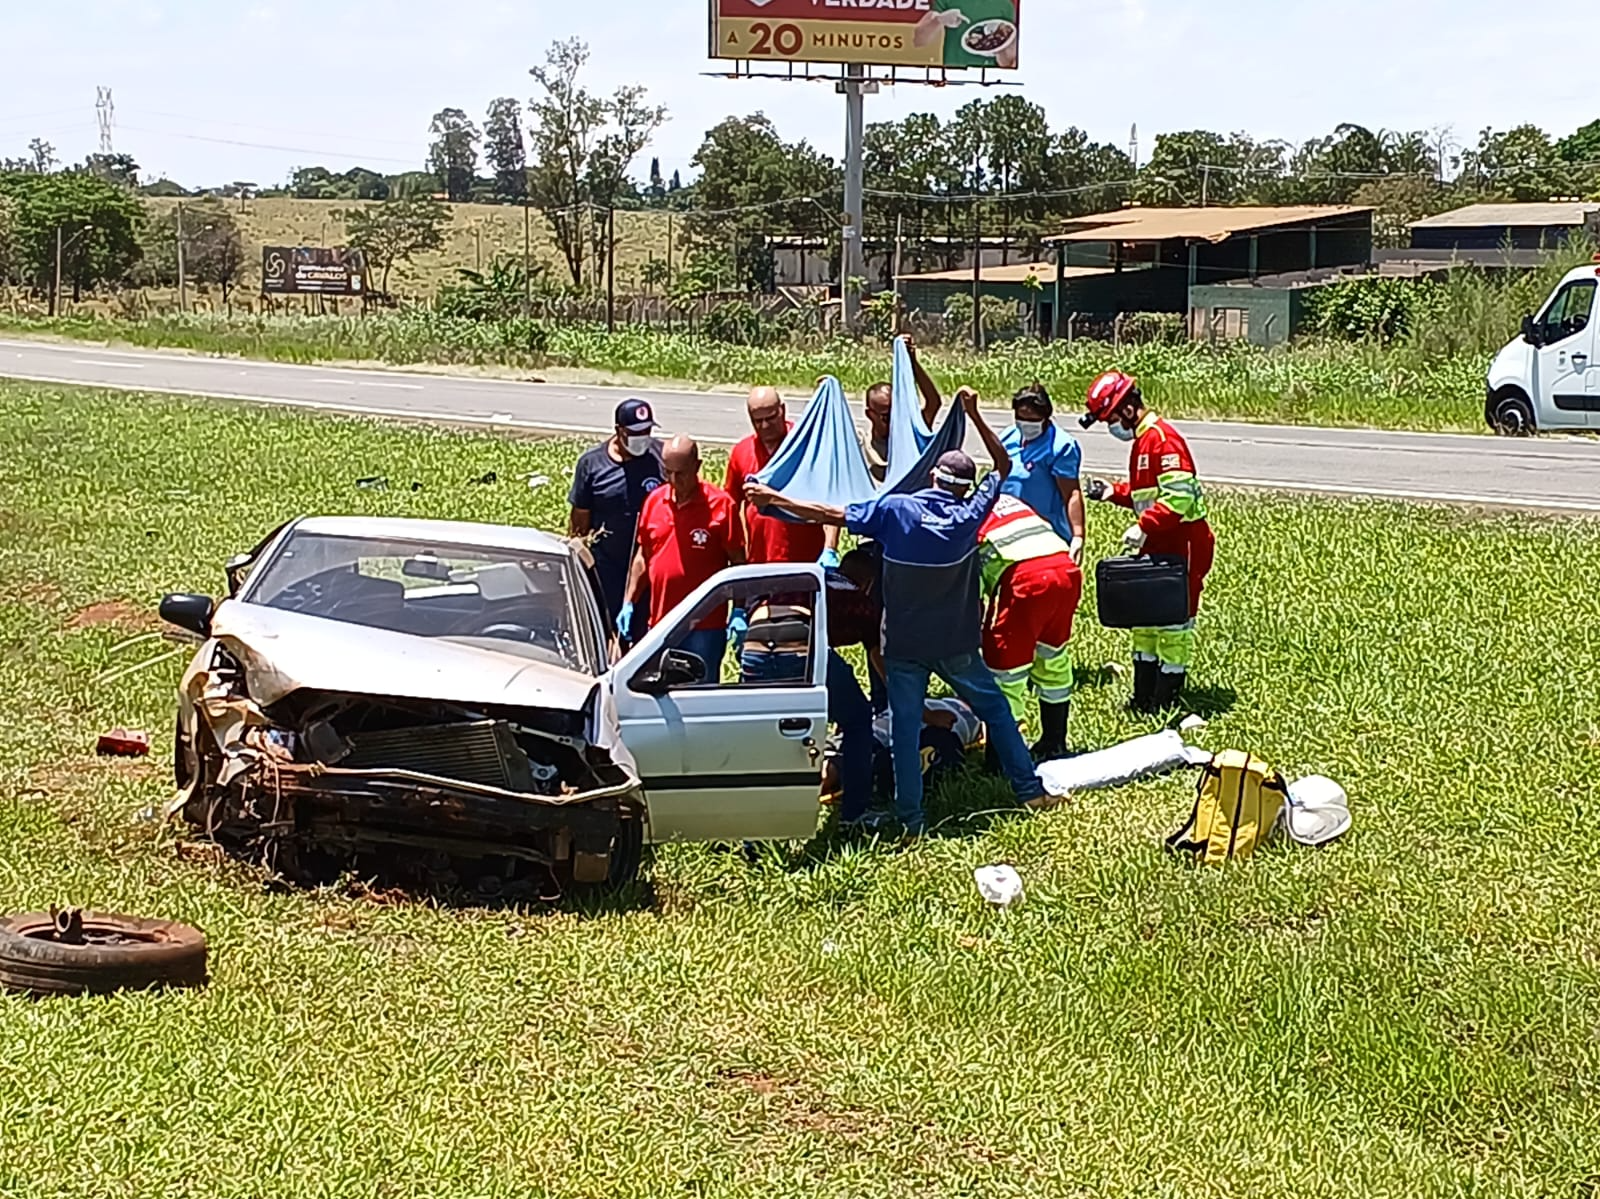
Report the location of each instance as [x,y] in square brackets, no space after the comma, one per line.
[936,34]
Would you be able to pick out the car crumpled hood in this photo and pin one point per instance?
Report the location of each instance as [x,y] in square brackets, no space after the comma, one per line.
[283,652]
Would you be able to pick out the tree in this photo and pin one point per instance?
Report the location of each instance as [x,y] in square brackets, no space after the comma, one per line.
[676,185]
[583,148]
[658,188]
[44,156]
[507,156]
[95,219]
[8,238]
[120,169]
[1398,200]
[1519,164]
[751,180]
[212,247]
[395,232]
[1199,167]
[453,155]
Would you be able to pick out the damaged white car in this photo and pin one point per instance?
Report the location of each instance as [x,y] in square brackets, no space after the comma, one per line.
[434,699]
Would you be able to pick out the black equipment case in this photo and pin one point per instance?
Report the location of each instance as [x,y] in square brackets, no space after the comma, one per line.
[1142,593]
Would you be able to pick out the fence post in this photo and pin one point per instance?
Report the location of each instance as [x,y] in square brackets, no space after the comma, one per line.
[1116,331]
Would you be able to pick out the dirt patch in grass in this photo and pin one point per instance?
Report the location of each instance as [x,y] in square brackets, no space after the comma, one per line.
[113,614]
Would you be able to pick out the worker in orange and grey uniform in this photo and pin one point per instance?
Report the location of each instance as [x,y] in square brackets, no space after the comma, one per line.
[1031,585]
[1165,494]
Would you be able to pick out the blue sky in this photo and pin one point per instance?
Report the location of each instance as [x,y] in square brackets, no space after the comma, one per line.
[364,87]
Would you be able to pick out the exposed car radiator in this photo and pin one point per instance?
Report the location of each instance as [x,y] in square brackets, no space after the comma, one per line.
[482,751]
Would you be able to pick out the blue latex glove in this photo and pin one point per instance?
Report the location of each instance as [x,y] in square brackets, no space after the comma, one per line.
[829,559]
[625,621]
[738,626]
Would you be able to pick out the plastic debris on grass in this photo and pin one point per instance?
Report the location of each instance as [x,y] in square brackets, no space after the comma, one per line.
[1000,885]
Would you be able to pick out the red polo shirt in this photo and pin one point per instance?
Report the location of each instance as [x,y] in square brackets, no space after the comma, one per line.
[772,539]
[685,544]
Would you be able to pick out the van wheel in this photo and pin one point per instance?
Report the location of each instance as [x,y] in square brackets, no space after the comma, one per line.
[1513,416]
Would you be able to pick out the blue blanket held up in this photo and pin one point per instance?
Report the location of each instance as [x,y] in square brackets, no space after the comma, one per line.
[822,459]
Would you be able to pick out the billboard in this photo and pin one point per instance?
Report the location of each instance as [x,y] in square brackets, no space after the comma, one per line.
[313,271]
[935,34]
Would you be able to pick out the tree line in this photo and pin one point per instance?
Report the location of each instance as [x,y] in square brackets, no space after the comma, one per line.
[996,169]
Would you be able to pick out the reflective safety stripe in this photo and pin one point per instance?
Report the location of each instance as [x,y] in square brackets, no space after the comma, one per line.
[1052,674]
[1019,536]
[1173,647]
[1013,685]
[1180,490]
[1144,644]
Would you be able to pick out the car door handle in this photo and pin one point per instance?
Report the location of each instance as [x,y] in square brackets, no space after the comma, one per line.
[1580,360]
[794,726]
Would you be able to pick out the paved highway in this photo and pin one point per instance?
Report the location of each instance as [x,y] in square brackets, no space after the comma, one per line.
[1561,474]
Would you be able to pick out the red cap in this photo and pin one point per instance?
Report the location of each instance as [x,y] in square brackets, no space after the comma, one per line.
[1106,395]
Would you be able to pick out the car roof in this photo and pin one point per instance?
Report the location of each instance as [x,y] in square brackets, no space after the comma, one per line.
[454,532]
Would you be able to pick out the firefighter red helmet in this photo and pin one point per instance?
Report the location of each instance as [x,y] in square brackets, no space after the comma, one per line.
[1107,394]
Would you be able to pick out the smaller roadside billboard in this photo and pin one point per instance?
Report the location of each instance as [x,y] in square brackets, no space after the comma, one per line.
[313,271]
[959,34]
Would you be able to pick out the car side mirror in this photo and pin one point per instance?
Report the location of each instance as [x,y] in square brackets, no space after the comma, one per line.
[675,668]
[1530,331]
[191,613]
[235,569]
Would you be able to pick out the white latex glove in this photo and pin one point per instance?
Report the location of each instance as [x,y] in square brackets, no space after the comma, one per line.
[1076,550]
[951,17]
[1134,538]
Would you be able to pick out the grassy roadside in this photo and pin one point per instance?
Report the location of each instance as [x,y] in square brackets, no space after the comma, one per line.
[1329,384]
[1410,1013]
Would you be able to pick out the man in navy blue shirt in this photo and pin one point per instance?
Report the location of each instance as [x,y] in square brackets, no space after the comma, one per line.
[609,488]
[932,614]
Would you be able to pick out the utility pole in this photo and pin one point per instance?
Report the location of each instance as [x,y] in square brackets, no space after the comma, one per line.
[977,277]
[611,270]
[855,87]
[1205,183]
[527,256]
[55,290]
[899,242]
[183,282]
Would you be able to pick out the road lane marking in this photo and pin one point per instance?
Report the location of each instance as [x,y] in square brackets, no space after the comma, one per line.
[121,366]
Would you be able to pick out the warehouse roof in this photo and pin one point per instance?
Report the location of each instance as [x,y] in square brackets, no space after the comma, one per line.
[1016,272]
[1477,216]
[1194,224]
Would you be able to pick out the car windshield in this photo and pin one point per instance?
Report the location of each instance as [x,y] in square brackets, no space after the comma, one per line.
[509,600]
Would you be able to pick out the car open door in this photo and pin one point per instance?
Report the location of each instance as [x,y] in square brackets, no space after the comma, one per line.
[738,758]
[1568,377]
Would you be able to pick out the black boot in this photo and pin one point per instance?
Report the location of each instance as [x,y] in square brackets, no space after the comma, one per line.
[1169,686]
[1145,675]
[1052,743]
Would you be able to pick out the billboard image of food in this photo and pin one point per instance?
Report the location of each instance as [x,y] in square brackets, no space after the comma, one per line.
[312,270]
[935,34]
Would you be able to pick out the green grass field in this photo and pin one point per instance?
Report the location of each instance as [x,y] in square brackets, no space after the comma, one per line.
[1412,1012]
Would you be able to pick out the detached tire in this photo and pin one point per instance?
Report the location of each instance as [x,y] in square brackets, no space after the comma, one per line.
[117,953]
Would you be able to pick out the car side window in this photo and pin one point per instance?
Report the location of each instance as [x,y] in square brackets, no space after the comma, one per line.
[1569,312]
[762,634]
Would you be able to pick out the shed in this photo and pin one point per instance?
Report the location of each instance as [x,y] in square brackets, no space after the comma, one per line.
[1490,227]
[1156,255]
[931,291]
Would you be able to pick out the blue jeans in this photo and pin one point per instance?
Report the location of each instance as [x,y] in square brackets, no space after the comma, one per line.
[880,689]
[708,645]
[969,678]
[847,708]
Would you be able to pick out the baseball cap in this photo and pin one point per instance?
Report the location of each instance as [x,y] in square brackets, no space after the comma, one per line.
[636,416]
[956,469]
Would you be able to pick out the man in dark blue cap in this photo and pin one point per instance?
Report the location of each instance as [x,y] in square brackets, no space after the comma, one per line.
[609,488]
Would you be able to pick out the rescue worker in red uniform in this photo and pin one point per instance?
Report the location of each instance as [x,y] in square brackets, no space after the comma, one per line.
[1031,587]
[1165,494]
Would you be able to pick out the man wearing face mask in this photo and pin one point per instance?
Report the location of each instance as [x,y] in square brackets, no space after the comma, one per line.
[1164,492]
[1044,466]
[609,488]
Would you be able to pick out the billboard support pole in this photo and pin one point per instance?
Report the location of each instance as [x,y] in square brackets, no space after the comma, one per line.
[852,265]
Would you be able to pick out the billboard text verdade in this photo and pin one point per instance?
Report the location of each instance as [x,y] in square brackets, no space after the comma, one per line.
[889,33]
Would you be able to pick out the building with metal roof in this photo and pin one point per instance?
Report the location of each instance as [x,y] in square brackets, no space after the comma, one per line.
[1490,227]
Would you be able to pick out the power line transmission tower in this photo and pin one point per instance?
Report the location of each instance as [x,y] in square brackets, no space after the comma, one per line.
[105,112]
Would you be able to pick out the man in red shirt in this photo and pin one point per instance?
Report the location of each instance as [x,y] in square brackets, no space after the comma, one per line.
[771,538]
[688,531]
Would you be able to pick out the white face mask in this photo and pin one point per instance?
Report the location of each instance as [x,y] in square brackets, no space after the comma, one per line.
[637,444]
[1121,432]
[1030,429]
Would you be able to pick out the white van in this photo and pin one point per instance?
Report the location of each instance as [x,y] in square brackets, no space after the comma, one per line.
[1549,377]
